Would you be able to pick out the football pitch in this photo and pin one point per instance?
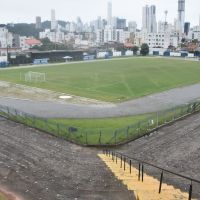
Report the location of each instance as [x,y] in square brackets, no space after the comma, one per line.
[112,80]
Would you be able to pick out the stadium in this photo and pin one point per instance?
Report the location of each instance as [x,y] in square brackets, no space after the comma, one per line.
[123,128]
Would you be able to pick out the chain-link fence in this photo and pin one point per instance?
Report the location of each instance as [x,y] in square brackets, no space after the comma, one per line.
[104,137]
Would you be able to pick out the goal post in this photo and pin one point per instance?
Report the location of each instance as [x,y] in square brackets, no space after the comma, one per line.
[35,77]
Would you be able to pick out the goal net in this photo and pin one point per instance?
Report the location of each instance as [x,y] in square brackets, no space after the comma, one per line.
[35,77]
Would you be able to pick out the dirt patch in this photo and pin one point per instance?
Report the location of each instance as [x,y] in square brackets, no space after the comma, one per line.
[32,93]
[38,166]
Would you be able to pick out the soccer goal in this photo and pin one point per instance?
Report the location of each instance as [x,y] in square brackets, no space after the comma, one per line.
[35,77]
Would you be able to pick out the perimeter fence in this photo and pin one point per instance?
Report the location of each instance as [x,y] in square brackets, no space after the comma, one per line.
[104,137]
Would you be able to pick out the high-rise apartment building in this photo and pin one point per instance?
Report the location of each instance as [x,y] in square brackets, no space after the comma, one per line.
[38,23]
[181,15]
[109,13]
[132,26]
[54,24]
[186,28]
[118,23]
[149,23]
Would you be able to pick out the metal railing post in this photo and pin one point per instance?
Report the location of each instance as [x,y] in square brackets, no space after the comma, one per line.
[190,192]
[139,170]
[142,172]
[124,163]
[161,180]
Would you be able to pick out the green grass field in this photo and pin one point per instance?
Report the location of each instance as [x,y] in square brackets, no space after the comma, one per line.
[110,131]
[108,125]
[113,80]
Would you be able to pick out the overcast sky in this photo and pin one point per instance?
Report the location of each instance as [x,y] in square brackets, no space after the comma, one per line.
[25,10]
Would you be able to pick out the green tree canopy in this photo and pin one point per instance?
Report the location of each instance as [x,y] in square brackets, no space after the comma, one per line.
[144,49]
[135,50]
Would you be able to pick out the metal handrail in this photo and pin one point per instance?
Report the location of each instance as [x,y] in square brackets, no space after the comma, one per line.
[157,167]
[124,158]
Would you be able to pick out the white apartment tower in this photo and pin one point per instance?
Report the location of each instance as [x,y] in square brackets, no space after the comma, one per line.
[109,13]
[53,20]
[149,23]
[145,15]
[181,15]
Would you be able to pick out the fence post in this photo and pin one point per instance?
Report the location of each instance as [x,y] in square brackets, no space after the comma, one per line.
[138,128]
[46,124]
[58,129]
[16,113]
[127,132]
[100,137]
[33,121]
[115,134]
[8,111]
[130,166]
[174,113]
[86,138]
[157,122]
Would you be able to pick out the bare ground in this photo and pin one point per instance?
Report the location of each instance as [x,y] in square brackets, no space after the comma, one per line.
[19,91]
[37,166]
[176,148]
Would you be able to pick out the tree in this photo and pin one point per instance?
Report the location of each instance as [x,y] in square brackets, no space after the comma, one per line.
[47,45]
[135,50]
[144,49]
[195,41]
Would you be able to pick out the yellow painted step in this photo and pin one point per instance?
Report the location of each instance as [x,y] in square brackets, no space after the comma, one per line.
[147,190]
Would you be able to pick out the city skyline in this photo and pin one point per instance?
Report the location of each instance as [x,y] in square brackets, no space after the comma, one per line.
[131,10]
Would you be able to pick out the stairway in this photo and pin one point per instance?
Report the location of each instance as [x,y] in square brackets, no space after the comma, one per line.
[146,190]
